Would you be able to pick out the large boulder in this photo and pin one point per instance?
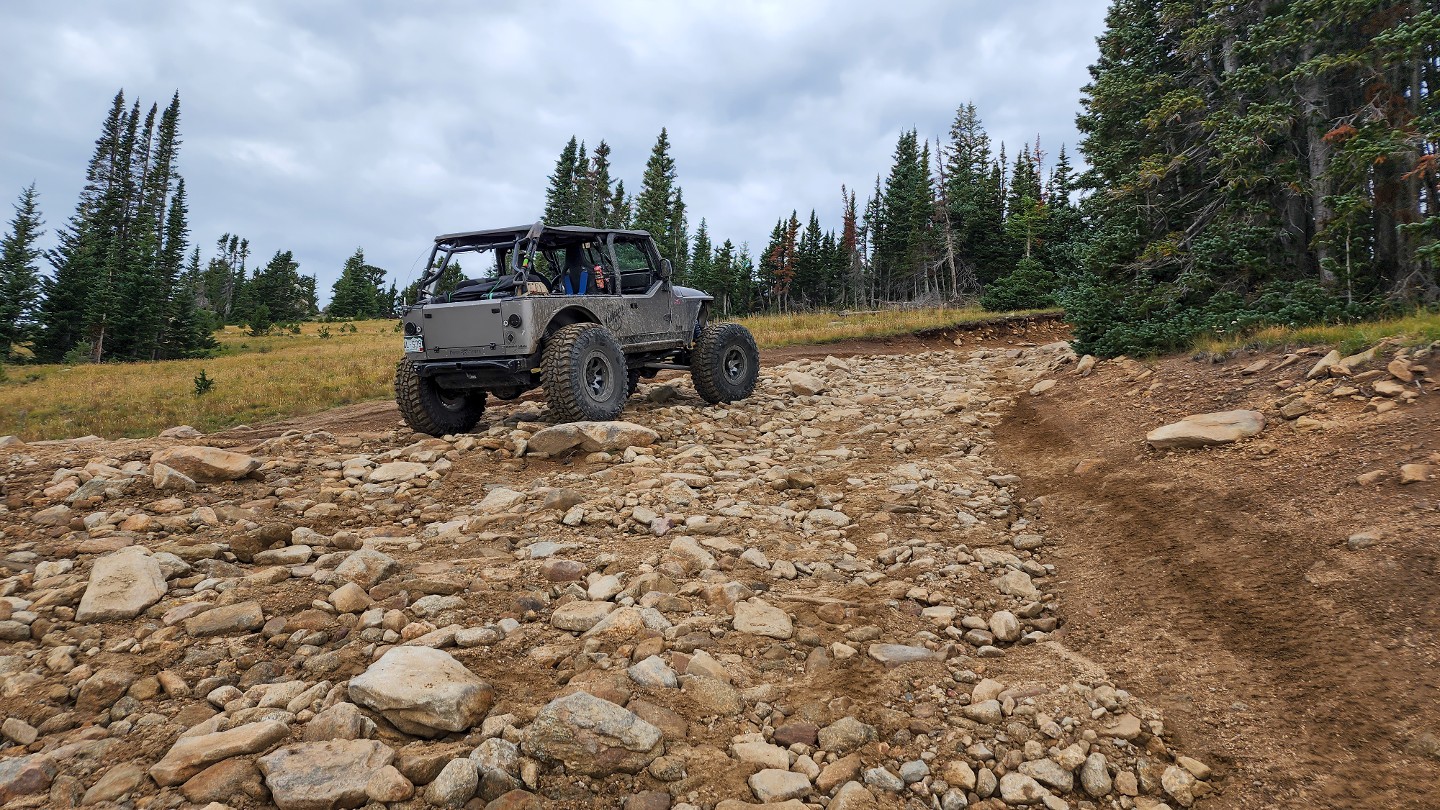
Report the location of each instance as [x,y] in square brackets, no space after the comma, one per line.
[25,776]
[592,736]
[122,585]
[324,775]
[591,437]
[762,619]
[206,465]
[423,691]
[1205,429]
[191,755]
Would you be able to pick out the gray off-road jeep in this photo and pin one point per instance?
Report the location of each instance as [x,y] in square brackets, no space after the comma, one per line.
[583,312]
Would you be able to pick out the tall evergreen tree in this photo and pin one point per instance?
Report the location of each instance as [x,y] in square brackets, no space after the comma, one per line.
[19,272]
[621,211]
[360,291]
[599,188]
[560,197]
[655,206]
[702,262]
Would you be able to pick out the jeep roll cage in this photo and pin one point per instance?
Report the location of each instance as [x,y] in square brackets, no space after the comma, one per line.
[518,246]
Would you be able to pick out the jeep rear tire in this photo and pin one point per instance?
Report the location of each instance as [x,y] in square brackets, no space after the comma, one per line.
[725,363]
[428,408]
[583,373]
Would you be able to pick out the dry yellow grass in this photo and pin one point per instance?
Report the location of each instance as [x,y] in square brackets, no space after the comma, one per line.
[255,379]
[281,375]
[772,331]
[1420,327]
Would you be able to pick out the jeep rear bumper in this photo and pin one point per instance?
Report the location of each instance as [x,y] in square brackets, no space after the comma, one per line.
[500,372]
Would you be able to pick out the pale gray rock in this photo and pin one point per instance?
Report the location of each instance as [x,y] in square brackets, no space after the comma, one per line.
[592,736]
[499,500]
[776,785]
[1049,773]
[760,618]
[423,691]
[190,755]
[1005,626]
[653,672]
[366,567]
[121,585]
[396,471]
[324,775]
[897,654]
[577,617]
[206,465]
[1206,429]
[455,785]
[1095,776]
[845,735]
[1017,788]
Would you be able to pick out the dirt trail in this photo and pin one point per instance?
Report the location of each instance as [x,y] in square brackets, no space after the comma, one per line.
[381,415]
[1219,584]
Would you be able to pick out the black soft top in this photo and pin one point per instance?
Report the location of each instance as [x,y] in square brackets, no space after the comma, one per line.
[551,235]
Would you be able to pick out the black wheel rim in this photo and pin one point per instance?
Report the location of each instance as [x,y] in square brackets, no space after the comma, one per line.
[734,364]
[450,400]
[598,379]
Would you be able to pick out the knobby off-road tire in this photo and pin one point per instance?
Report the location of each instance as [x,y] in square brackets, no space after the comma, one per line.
[583,373]
[428,408]
[724,363]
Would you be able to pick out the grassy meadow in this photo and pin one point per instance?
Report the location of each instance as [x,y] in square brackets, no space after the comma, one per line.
[280,375]
[1420,327]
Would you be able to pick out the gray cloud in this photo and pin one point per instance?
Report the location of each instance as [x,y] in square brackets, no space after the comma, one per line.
[321,126]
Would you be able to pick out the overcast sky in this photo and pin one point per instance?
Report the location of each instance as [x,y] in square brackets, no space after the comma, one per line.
[320,126]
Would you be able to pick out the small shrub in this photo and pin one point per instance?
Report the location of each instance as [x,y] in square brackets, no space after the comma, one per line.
[203,384]
[324,333]
[260,323]
[1029,286]
[4,377]
[79,354]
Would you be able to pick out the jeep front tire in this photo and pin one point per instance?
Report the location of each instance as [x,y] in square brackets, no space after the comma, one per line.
[724,363]
[428,408]
[584,375]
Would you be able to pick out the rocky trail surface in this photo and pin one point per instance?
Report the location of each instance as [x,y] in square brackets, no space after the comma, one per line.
[829,595]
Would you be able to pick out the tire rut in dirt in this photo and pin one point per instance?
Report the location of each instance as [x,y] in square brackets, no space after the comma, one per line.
[1192,583]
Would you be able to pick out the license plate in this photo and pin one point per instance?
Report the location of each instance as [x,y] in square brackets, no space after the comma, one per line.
[414,344]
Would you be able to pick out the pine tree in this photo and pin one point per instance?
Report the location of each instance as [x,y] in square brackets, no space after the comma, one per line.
[561,194]
[810,264]
[276,286]
[655,207]
[360,291]
[189,333]
[19,272]
[702,262]
[621,210]
[902,235]
[676,243]
[599,188]
[972,204]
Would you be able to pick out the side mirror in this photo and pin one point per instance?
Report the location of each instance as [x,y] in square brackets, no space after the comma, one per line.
[666,269]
